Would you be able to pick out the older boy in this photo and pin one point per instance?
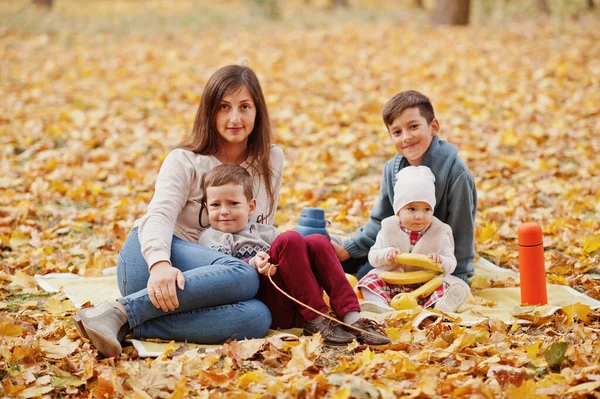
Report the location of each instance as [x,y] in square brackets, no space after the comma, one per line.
[413,128]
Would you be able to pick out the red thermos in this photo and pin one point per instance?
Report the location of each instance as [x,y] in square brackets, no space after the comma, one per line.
[531,265]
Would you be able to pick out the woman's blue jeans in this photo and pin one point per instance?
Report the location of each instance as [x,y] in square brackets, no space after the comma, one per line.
[216,303]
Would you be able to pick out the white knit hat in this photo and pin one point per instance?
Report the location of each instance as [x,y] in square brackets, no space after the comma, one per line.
[414,184]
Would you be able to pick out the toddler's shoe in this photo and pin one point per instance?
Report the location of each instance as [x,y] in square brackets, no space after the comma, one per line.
[375,307]
[374,334]
[454,296]
[105,326]
[333,334]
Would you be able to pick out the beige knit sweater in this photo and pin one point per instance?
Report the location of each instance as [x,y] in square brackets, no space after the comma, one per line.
[175,208]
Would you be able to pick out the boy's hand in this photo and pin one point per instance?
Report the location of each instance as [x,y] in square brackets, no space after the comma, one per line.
[341,252]
[392,255]
[261,261]
[436,258]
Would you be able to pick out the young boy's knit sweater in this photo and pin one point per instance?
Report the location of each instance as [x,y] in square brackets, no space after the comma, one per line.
[456,204]
[244,244]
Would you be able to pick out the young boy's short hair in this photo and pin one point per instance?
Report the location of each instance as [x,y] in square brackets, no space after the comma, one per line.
[404,100]
[229,174]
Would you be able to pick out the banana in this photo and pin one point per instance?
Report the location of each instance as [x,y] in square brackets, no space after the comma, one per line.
[352,280]
[427,289]
[417,277]
[419,260]
[404,301]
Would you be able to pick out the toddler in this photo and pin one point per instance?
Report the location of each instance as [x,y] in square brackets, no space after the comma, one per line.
[414,229]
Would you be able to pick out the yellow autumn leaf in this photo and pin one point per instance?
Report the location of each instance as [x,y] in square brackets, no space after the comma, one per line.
[8,329]
[533,349]
[181,391]
[343,393]
[489,232]
[591,243]
[393,333]
[585,388]
[59,349]
[23,282]
[554,279]
[525,390]
[367,356]
[56,307]
[139,393]
[509,138]
[35,391]
[17,239]
[249,378]
[578,309]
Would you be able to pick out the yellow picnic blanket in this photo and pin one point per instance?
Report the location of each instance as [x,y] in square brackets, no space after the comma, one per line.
[498,303]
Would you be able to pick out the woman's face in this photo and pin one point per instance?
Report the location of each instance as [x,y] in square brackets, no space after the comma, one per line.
[235,116]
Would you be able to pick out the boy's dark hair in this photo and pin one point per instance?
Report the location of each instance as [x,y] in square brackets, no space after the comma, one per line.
[404,100]
[229,174]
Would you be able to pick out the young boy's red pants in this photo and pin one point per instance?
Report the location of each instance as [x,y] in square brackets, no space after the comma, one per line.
[307,266]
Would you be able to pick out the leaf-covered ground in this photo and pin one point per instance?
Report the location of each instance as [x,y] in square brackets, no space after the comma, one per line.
[87,117]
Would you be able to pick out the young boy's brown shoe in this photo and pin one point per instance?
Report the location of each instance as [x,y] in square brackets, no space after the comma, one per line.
[333,334]
[374,333]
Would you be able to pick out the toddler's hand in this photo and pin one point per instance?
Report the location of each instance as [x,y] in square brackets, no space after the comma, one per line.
[392,255]
[261,261]
[436,258]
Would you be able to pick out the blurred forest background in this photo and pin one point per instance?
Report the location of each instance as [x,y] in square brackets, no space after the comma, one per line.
[131,15]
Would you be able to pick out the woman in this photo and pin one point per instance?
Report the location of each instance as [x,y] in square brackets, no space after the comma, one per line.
[174,288]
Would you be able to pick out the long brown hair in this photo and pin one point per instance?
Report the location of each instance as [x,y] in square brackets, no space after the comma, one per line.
[204,138]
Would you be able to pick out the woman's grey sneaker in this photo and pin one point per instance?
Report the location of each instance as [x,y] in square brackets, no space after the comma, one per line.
[454,296]
[103,326]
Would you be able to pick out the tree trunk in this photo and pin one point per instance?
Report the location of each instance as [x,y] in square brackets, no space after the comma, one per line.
[543,6]
[590,4]
[43,3]
[451,12]
[419,4]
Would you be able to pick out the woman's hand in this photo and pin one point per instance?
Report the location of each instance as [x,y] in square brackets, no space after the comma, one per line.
[436,258]
[392,255]
[162,288]
[261,261]
[341,252]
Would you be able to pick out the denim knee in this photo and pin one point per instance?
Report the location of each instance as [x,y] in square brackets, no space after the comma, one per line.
[258,319]
[249,281]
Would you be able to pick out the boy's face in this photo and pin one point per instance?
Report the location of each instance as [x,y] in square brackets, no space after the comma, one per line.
[411,135]
[228,208]
[416,216]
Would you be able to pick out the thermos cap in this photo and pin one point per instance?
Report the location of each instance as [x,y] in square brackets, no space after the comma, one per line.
[313,213]
[530,233]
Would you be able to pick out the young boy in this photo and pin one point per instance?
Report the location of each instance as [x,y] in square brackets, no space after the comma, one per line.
[413,128]
[414,229]
[305,265]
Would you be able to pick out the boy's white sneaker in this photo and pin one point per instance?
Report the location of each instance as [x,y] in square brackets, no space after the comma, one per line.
[375,307]
[454,296]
